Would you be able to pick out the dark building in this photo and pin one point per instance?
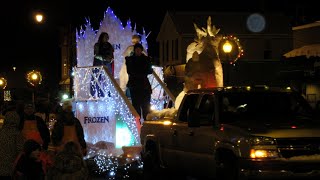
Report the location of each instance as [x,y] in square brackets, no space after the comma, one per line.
[263,37]
[302,64]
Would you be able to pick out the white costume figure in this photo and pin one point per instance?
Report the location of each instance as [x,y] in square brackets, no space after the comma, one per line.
[123,75]
[179,98]
[203,68]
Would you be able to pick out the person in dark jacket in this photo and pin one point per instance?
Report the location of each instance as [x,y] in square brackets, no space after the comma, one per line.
[103,55]
[28,165]
[11,141]
[138,69]
[33,127]
[103,52]
[68,128]
[69,164]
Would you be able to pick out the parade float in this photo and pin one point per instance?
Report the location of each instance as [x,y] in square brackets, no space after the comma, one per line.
[111,124]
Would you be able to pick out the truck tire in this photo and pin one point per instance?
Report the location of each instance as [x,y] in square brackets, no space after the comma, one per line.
[227,167]
[150,158]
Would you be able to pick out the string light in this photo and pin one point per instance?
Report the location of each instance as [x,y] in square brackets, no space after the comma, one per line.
[98,95]
[82,79]
[120,37]
[226,47]
[7,96]
[34,78]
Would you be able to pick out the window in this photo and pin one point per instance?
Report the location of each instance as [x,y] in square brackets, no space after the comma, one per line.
[167,51]
[176,57]
[264,106]
[188,106]
[206,110]
[267,54]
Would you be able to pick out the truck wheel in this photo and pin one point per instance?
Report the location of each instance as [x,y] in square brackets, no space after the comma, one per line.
[227,167]
[150,159]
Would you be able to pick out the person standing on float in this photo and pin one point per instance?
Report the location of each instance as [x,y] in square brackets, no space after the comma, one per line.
[103,56]
[138,68]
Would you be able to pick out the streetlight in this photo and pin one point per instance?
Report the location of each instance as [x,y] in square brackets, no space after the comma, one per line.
[3,85]
[34,78]
[227,47]
[38,17]
[230,50]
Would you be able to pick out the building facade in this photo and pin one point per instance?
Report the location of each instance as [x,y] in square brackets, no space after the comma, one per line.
[263,37]
[302,64]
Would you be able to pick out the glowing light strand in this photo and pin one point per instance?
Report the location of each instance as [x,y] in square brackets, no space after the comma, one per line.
[234,41]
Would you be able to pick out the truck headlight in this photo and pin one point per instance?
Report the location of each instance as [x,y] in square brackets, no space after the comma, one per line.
[263,147]
[264,153]
[261,140]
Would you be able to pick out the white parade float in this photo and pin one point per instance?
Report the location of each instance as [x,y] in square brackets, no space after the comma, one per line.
[111,124]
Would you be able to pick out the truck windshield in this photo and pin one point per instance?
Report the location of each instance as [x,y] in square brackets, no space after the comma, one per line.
[269,106]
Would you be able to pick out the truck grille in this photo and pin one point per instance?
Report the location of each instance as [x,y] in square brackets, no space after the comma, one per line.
[290,147]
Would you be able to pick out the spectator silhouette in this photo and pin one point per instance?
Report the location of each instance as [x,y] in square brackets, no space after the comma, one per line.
[33,127]
[68,128]
[28,165]
[69,164]
[11,141]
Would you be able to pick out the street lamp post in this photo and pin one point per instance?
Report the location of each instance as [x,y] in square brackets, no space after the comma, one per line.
[230,51]
[227,48]
[3,85]
[34,78]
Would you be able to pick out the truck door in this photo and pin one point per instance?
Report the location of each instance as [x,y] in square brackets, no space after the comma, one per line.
[174,154]
[197,143]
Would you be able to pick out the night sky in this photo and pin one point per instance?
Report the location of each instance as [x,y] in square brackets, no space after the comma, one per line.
[28,45]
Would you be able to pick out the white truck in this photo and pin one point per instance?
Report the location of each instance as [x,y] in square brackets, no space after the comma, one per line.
[236,132]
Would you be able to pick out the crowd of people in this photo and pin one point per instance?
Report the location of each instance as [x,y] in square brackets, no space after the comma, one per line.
[30,150]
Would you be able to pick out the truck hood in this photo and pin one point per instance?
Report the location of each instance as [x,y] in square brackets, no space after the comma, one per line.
[278,128]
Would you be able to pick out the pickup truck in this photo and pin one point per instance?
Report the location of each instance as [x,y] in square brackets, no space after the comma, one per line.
[236,132]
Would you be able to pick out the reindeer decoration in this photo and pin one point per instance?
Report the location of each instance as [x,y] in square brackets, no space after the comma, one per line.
[204,68]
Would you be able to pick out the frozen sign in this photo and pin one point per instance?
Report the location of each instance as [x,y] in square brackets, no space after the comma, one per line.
[98,121]
[105,116]
[120,38]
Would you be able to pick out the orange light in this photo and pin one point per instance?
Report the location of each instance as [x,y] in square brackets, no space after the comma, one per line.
[167,122]
[254,153]
[264,153]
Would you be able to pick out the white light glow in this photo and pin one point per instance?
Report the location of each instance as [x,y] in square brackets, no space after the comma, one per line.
[34,76]
[227,47]
[123,137]
[65,96]
[39,17]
